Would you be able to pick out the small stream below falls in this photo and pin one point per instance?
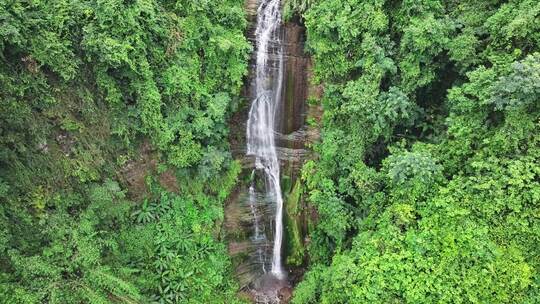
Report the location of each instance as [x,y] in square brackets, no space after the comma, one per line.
[269,139]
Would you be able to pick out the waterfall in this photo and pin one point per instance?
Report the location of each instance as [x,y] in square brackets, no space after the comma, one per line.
[262,123]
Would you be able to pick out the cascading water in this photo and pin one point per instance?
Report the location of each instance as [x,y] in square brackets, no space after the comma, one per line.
[273,152]
[261,127]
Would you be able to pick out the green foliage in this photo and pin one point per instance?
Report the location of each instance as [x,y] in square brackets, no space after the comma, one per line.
[95,95]
[427,172]
[67,263]
[181,262]
[410,167]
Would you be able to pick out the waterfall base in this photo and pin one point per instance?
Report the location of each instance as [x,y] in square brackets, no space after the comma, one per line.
[268,289]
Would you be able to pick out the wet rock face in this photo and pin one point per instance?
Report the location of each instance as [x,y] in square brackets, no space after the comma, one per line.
[291,119]
[290,138]
[293,110]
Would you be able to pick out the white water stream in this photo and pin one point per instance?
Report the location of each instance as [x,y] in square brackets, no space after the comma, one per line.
[262,123]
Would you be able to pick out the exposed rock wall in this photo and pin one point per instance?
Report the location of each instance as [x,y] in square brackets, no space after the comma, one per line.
[292,152]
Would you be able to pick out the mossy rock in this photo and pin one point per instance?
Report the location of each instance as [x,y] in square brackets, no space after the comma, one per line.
[293,219]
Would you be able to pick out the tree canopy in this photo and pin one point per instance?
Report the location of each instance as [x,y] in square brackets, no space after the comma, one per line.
[101,102]
[427,175]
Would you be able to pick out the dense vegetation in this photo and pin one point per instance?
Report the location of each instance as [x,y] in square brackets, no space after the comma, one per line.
[427,180]
[114,160]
